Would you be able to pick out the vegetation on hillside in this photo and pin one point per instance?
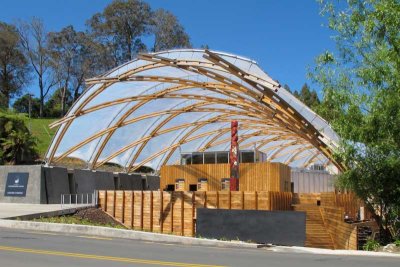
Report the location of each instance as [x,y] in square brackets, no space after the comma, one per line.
[17,145]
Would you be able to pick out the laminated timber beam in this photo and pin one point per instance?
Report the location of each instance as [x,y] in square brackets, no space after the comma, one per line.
[253,98]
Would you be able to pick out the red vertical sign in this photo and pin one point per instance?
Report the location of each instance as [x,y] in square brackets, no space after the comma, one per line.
[234,157]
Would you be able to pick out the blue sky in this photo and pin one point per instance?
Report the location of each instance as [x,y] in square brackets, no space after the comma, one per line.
[283,36]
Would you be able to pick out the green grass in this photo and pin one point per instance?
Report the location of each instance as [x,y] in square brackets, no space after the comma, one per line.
[41,131]
[76,220]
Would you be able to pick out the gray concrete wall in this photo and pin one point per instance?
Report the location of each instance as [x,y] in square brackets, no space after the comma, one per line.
[57,183]
[86,181]
[268,227]
[35,191]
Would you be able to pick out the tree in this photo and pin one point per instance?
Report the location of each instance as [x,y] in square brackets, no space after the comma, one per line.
[16,143]
[120,28]
[28,104]
[361,101]
[53,106]
[168,32]
[73,59]
[14,68]
[307,96]
[34,41]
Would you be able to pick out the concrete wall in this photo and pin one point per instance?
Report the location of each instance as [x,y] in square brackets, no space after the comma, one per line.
[131,182]
[35,191]
[268,227]
[86,181]
[46,184]
[306,181]
[57,183]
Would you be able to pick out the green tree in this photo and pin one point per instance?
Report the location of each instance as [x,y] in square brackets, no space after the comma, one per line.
[361,84]
[168,32]
[308,96]
[28,104]
[53,106]
[14,68]
[120,27]
[16,142]
[73,57]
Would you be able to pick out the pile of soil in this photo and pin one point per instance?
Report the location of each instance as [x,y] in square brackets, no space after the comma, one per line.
[97,216]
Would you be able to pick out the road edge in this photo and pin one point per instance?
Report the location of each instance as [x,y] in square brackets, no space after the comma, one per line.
[121,233]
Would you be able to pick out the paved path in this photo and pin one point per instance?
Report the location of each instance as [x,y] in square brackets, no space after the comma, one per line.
[8,210]
[39,249]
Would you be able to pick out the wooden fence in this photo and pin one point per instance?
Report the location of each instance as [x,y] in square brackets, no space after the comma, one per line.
[175,212]
[348,201]
[344,235]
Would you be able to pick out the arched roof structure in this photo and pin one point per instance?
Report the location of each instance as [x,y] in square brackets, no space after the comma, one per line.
[146,111]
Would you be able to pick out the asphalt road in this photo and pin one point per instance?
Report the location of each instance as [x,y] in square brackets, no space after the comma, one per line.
[38,249]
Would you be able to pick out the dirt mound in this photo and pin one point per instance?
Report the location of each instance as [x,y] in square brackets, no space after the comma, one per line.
[97,216]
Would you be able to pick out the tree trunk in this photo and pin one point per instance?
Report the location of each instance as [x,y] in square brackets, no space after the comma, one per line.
[41,96]
[63,93]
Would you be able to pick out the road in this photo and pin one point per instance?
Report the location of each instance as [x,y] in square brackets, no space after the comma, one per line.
[38,249]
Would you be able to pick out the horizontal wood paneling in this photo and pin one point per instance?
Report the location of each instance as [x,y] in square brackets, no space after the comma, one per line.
[348,201]
[344,235]
[262,176]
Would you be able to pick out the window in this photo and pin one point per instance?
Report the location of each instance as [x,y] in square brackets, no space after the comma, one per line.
[193,187]
[197,158]
[225,184]
[179,184]
[170,187]
[247,157]
[202,184]
[222,157]
[186,159]
[209,158]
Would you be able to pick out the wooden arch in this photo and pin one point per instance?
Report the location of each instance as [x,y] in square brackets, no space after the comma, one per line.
[232,93]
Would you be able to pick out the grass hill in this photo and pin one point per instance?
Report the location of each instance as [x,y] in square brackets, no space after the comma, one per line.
[41,131]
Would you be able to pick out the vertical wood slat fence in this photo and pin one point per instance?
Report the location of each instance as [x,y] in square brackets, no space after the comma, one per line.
[175,212]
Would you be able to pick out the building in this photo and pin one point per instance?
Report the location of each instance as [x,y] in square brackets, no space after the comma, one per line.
[210,171]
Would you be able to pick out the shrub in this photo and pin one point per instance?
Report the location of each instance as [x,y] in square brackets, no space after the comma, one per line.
[371,245]
[17,145]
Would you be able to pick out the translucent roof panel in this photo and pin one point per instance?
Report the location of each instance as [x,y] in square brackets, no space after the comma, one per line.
[147,111]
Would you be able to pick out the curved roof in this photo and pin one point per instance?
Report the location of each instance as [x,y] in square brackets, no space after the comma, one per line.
[146,111]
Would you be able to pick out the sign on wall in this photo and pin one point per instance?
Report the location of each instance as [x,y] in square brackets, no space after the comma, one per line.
[16,184]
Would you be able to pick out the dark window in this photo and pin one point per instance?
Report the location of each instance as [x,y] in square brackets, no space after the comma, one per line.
[209,158]
[193,187]
[170,187]
[247,157]
[197,158]
[222,157]
[186,159]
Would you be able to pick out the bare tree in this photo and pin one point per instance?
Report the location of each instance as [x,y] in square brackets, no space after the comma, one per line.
[34,40]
